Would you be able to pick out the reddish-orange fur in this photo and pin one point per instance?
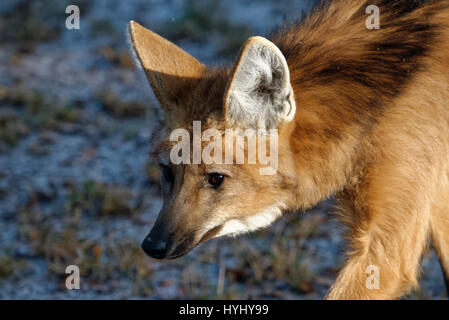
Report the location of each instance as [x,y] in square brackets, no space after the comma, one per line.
[371,128]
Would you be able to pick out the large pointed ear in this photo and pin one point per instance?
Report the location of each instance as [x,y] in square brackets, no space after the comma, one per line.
[168,68]
[259,94]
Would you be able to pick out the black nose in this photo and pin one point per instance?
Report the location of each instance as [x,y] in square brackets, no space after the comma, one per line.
[154,248]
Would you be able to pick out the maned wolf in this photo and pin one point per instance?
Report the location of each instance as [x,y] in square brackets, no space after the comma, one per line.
[361,114]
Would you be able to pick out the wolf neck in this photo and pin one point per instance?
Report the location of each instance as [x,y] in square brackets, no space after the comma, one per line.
[345,77]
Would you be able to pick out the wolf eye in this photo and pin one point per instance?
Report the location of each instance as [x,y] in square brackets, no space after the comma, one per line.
[167,173]
[215,180]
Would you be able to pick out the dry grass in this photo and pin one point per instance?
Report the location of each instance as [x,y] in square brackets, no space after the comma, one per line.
[283,259]
[10,266]
[120,108]
[117,56]
[102,199]
[56,235]
[12,128]
[23,110]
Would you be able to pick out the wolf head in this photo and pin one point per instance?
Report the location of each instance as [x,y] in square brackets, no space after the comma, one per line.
[253,100]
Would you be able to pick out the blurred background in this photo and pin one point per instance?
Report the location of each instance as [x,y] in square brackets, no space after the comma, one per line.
[77,185]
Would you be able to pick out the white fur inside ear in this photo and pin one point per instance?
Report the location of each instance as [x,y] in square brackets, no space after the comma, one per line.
[260,94]
[254,222]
